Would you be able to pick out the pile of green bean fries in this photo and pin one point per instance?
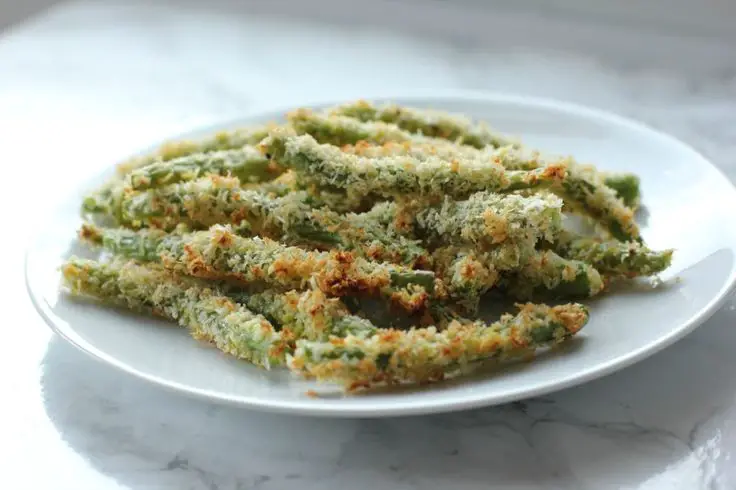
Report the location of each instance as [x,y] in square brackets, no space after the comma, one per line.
[269,241]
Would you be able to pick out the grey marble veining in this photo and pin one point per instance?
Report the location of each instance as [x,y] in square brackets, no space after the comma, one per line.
[640,427]
[92,81]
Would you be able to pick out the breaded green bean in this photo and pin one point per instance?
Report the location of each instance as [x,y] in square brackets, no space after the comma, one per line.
[206,313]
[583,188]
[613,258]
[342,130]
[290,218]
[584,191]
[626,187]
[417,148]
[283,244]
[105,200]
[467,274]
[247,164]
[208,201]
[109,200]
[308,314]
[433,178]
[425,355]
[379,139]
[546,274]
[220,254]
[600,203]
[221,140]
[509,157]
[98,201]
[434,123]
[279,187]
[367,237]
[483,220]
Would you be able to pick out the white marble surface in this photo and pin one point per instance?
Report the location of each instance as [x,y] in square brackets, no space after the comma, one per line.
[90,82]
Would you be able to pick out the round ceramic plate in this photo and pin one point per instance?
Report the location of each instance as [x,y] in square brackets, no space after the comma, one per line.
[688,205]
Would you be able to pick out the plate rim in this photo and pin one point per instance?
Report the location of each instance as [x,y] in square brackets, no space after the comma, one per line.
[308,407]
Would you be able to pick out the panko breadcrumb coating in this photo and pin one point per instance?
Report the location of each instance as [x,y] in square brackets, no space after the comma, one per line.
[585,190]
[221,140]
[454,127]
[546,274]
[220,254]
[395,177]
[206,313]
[247,164]
[483,220]
[613,258]
[273,242]
[293,217]
[426,354]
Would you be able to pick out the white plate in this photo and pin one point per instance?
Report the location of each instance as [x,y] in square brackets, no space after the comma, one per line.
[690,206]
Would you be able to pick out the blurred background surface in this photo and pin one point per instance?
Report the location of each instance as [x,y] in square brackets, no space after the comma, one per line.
[707,17]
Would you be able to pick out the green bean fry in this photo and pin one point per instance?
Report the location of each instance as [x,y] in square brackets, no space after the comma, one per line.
[282,244]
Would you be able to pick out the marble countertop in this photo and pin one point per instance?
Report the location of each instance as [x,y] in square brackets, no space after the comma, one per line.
[89,82]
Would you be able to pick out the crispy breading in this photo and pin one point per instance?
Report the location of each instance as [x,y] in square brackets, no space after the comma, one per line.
[397,177]
[220,254]
[428,355]
[206,313]
[264,241]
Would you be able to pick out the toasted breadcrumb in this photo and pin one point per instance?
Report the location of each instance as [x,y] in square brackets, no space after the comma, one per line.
[266,241]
